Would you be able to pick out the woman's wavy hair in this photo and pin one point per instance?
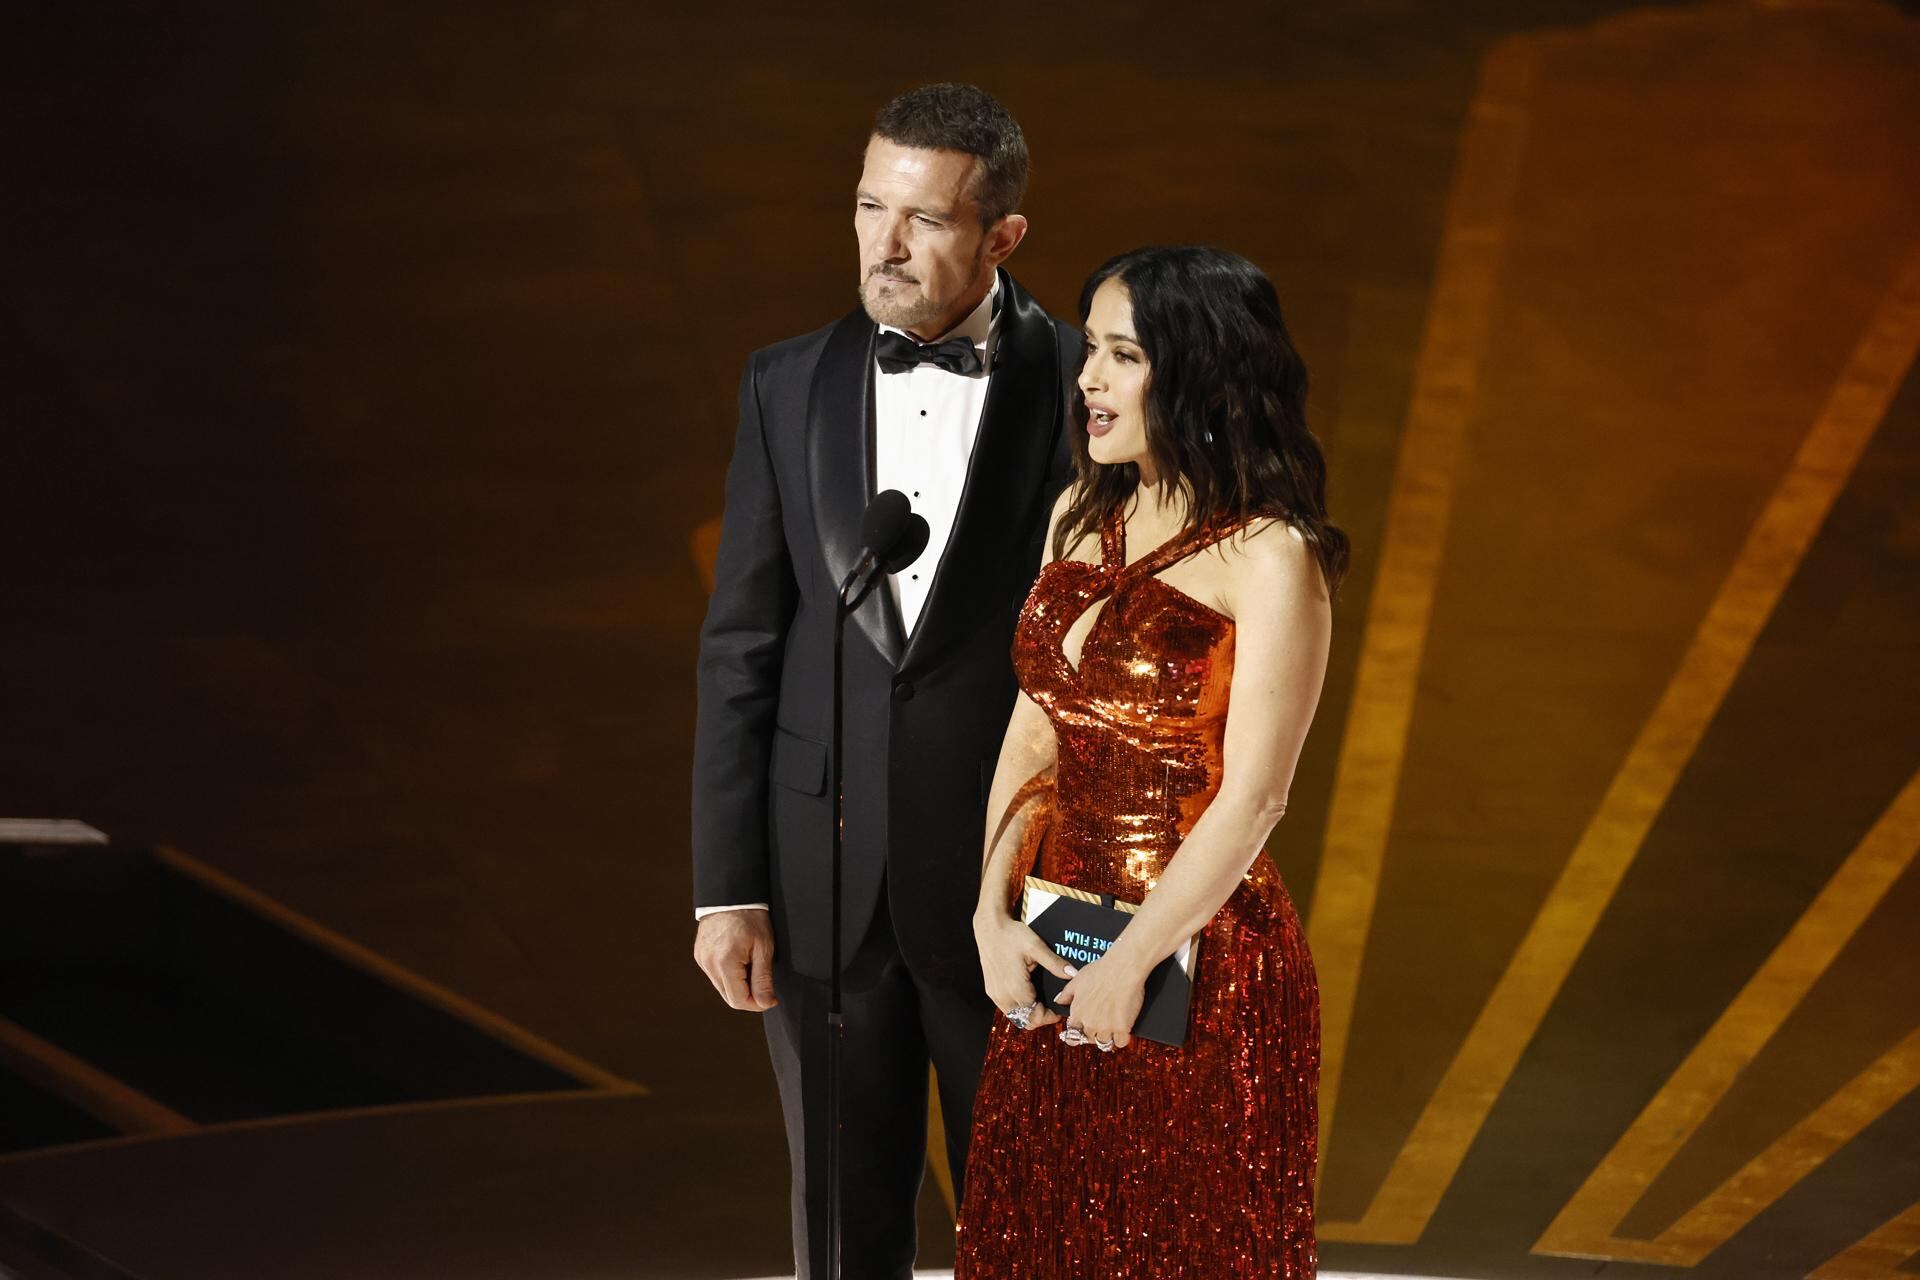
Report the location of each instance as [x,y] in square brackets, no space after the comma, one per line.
[1226,403]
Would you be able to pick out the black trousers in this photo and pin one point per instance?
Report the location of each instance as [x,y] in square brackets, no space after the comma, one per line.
[895,1026]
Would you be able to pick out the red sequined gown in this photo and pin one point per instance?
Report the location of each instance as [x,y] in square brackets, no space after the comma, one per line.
[1195,1161]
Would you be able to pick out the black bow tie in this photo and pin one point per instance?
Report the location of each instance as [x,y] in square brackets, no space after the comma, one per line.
[897,353]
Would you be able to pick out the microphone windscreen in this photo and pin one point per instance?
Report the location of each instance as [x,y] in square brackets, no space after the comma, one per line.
[912,542]
[885,521]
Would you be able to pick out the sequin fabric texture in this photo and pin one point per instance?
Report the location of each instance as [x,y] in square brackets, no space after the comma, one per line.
[1196,1161]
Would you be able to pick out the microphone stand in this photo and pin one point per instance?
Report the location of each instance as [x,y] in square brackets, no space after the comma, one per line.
[852,592]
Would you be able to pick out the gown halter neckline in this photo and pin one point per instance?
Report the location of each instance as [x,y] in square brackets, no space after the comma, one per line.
[1113,544]
[1185,543]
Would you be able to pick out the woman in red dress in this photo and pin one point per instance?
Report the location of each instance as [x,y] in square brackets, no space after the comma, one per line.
[1170,658]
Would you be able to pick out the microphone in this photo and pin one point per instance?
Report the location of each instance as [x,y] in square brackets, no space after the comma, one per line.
[891,538]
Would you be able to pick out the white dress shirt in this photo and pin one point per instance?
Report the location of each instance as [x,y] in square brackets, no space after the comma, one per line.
[925,421]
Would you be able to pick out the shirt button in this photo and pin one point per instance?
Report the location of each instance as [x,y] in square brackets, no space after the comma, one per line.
[923,413]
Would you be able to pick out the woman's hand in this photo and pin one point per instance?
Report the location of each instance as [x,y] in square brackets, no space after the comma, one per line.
[1103,1000]
[1008,953]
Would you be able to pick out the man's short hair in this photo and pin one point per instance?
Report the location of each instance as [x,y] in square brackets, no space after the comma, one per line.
[964,117]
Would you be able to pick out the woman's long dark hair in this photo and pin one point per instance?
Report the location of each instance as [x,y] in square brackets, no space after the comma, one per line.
[1226,403]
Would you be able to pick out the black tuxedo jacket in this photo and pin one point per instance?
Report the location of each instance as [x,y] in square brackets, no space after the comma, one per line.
[924,715]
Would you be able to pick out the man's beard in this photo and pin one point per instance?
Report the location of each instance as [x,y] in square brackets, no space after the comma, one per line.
[905,310]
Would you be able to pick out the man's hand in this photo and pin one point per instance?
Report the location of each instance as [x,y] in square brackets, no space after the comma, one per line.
[735,950]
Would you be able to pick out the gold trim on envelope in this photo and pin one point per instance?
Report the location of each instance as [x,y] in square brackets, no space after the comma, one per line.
[1065,891]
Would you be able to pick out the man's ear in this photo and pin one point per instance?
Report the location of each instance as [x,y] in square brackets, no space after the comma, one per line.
[1004,237]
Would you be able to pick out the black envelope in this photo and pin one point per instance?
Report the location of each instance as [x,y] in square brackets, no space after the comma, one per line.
[1080,926]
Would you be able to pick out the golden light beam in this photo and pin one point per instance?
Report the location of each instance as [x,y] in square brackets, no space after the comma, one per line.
[1879,1254]
[937,1146]
[1804,1148]
[1445,376]
[1427,1162]
[1586,1225]
[704,545]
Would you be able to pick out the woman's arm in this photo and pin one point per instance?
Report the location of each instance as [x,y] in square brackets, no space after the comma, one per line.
[1008,949]
[1028,750]
[1282,624]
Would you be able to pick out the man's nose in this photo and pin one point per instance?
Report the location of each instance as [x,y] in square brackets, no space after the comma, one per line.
[889,244]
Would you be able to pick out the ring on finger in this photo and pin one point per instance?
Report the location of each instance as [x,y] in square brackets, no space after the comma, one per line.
[1074,1036]
[1021,1016]
[1104,1044]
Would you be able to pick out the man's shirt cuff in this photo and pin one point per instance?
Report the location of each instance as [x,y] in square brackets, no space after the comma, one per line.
[701,913]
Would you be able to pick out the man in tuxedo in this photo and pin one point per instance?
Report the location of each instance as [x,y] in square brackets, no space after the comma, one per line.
[949,383]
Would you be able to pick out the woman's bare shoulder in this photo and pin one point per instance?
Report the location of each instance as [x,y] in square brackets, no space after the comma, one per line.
[1268,554]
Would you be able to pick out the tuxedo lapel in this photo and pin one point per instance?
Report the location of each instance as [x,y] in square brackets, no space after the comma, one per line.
[839,464]
[1019,428]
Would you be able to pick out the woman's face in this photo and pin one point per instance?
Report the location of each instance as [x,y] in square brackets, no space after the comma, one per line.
[1114,381]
